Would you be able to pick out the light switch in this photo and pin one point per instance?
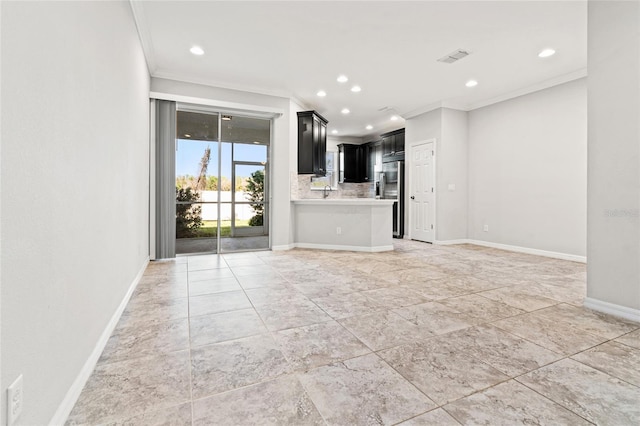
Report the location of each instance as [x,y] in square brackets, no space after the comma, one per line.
[452,187]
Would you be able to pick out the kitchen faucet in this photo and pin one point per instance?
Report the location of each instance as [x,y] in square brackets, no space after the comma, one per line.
[325,194]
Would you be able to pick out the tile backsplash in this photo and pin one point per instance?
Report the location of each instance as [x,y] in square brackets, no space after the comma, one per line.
[301,189]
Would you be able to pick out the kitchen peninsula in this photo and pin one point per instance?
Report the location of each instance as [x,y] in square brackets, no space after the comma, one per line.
[356,224]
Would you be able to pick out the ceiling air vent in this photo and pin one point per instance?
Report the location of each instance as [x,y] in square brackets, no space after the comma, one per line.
[454,56]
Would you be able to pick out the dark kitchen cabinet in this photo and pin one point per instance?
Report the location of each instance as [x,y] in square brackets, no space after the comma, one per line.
[352,164]
[312,143]
[399,146]
[373,156]
[388,143]
[393,145]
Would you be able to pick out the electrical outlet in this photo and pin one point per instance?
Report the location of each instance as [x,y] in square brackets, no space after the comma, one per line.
[14,401]
[486,228]
[338,231]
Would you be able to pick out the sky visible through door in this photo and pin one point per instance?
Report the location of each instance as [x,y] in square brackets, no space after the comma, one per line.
[190,154]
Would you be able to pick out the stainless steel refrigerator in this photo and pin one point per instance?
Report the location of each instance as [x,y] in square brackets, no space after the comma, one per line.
[392,188]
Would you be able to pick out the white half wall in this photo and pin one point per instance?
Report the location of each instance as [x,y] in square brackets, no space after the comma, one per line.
[528,170]
[74,170]
[346,224]
[613,268]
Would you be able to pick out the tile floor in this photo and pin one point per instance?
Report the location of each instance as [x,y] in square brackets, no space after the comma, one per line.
[423,335]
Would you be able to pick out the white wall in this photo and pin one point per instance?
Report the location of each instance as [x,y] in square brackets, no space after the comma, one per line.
[2,401]
[334,141]
[292,172]
[449,128]
[422,127]
[75,122]
[452,168]
[613,270]
[527,170]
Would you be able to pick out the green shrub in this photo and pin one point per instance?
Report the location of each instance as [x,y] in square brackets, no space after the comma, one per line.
[188,216]
[255,188]
[256,220]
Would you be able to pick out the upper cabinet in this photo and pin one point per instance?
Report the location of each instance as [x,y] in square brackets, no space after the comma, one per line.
[352,163]
[373,157]
[393,145]
[312,143]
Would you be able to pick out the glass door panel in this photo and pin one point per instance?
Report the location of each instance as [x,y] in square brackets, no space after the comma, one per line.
[196,182]
[249,218]
[249,226]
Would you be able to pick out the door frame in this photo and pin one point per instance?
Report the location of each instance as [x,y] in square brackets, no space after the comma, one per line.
[435,186]
[203,108]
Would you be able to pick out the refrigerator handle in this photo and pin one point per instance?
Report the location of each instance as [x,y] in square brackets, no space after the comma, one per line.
[400,183]
[399,199]
[400,205]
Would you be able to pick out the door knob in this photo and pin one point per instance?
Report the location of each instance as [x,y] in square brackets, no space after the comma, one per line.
[413,198]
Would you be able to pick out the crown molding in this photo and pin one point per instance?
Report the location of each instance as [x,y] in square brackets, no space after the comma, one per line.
[299,102]
[144,35]
[434,106]
[421,110]
[565,78]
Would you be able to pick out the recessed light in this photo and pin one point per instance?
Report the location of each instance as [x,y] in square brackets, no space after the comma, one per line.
[356,89]
[394,118]
[197,50]
[334,131]
[186,135]
[342,78]
[321,93]
[369,127]
[471,83]
[546,53]
[345,111]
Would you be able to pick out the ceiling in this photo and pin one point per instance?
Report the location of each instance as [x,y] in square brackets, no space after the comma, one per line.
[388,48]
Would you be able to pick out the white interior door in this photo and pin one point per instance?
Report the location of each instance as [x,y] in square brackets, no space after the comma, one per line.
[422,196]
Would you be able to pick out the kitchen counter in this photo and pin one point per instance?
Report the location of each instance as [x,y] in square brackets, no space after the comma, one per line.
[356,224]
[344,201]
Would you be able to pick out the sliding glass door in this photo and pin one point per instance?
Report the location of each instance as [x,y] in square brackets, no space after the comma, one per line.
[222,182]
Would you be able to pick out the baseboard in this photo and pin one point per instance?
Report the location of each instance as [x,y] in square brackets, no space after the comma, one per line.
[374,249]
[70,399]
[451,242]
[283,247]
[537,252]
[526,250]
[612,309]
